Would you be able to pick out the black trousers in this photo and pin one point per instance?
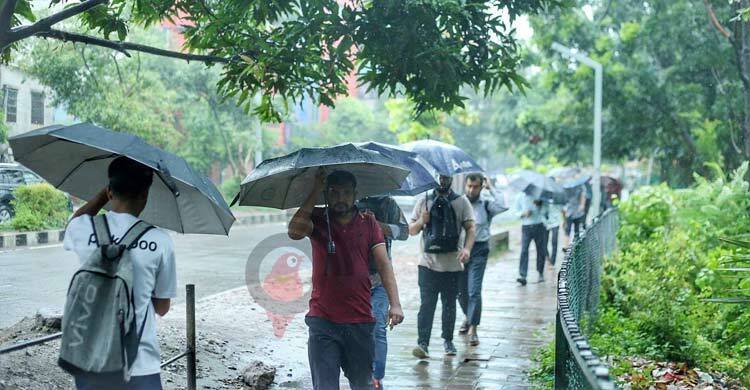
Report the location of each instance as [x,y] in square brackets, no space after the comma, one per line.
[432,284]
[529,233]
[333,347]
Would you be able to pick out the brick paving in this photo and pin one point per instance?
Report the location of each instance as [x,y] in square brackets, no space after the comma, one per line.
[514,321]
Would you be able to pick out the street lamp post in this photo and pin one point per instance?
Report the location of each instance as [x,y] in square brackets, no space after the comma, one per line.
[596,182]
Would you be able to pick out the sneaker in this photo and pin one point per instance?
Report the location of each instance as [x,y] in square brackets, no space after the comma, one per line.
[450,349]
[474,339]
[464,328]
[522,281]
[541,277]
[420,352]
[377,384]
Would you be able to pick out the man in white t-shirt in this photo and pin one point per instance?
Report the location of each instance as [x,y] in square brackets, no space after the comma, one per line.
[154,277]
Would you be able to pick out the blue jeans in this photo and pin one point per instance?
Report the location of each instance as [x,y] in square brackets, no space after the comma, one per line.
[115,382]
[470,282]
[333,347]
[536,233]
[379,300]
[432,284]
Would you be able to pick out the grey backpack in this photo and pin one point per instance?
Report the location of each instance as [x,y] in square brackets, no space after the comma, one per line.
[99,327]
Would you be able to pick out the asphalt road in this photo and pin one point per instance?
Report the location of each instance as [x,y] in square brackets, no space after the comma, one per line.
[36,278]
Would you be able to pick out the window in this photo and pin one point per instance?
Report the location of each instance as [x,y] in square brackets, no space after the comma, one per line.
[37,108]
[31,178]
[10,100]
[15,177]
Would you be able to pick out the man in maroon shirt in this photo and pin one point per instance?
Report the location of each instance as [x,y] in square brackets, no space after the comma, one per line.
[340,319]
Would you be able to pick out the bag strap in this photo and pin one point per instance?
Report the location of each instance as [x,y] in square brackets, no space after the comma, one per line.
[101,230]
[135,233]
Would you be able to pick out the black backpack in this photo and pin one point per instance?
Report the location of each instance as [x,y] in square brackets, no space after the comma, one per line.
[442,232]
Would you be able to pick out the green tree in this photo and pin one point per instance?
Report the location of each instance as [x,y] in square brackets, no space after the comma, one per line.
[423,49]
[672,88]
[407,127]
[352,120]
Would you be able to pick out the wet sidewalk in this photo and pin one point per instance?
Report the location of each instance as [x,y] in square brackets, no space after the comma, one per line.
[513,322]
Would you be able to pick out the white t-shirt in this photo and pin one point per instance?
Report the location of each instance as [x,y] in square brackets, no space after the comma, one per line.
[153,276]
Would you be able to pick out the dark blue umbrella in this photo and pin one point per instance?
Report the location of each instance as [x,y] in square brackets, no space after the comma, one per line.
[75,159]
[447,159]
[422,176]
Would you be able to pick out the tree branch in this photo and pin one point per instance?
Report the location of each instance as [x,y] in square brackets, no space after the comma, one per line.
[124,47]
[715,20]
[23,32]
[6,14]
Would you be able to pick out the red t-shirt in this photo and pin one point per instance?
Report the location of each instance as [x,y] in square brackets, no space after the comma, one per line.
[341,281]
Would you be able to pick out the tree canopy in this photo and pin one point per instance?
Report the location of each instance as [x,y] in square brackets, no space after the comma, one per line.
[425,50]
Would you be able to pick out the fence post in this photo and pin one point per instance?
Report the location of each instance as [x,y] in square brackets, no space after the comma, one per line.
[190,330]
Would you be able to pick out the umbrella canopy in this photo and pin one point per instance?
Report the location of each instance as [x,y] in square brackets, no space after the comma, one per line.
[285,182]
[447,159]
[75,160]
[422,176]
[538,186]
[563,172]
[577,182]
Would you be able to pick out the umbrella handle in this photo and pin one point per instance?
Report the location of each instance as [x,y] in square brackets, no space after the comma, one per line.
[331,244]
[166,177]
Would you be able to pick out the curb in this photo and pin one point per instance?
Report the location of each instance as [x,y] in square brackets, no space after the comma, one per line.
[259,219]
[12,240]
[500,241]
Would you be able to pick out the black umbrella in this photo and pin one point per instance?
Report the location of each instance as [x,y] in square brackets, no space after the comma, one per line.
[75,160]
[285,182]
[538,186]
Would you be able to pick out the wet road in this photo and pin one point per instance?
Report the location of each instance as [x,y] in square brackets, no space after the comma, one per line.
[38,277]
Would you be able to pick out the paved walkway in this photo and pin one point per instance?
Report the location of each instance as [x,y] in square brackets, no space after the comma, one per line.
[513,322]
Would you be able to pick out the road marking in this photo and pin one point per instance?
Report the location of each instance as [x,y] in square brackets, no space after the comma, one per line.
[25,248]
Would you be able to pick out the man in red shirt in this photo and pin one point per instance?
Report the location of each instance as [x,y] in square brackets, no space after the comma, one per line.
[340,319]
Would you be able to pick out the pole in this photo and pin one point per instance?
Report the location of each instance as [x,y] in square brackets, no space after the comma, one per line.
[190,330]
[597,195]
[597,177]
[258,134]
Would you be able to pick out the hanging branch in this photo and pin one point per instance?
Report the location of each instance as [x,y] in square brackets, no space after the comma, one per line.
[125,47]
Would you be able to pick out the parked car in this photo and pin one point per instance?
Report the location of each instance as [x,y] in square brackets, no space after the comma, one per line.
[12,176]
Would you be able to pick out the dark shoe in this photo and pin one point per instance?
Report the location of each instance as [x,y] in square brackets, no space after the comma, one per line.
[464,328]
[522,281]
[450,349]
[420,352]
[541,277]
[473,340]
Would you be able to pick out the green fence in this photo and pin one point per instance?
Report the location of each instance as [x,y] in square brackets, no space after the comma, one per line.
[576,365]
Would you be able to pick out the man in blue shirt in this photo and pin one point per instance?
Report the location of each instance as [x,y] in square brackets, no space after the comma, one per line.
[533,229]
[470,282]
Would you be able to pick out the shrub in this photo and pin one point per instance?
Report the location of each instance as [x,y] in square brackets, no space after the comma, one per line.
[39,206]
[655,290]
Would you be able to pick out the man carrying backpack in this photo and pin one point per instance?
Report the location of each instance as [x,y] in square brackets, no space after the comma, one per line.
[109,341]
[440,216]
[470,283]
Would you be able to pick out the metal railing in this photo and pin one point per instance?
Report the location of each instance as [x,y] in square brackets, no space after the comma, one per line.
[188,353]
[576,365]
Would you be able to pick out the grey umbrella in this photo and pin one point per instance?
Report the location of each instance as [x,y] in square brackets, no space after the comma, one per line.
[285,182]
[75,160]
[538,186]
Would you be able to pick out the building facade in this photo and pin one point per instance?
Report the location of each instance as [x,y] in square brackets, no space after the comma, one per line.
[26,103]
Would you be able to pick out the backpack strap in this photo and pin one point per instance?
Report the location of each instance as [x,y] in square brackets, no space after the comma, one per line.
[101,230]
[135,233]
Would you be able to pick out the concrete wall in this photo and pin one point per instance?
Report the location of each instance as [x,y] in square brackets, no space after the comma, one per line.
[13,78]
